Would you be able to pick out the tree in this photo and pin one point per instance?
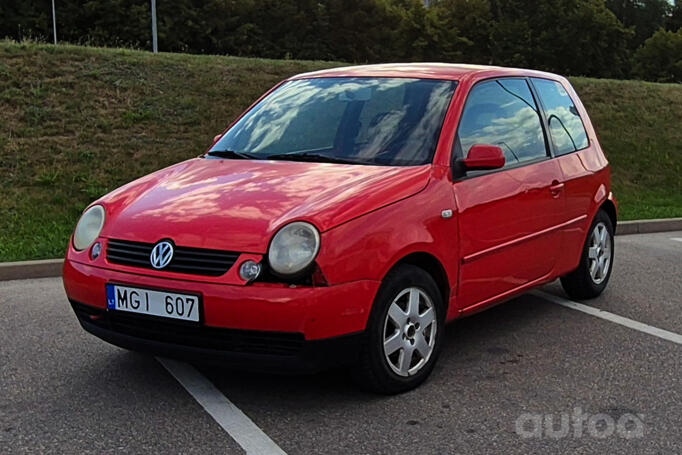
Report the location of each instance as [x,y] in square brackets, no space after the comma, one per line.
[470,25]
[578,37]
[25,19]
[674,21]
[660,58]
[644,17]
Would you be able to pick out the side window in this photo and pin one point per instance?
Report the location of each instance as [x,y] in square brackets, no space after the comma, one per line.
[503,113]
[565,126]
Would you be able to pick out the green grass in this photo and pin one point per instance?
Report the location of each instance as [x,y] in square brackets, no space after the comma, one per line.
[639,125]
[77,122]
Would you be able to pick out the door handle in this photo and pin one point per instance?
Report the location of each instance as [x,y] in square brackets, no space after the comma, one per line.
[556,188]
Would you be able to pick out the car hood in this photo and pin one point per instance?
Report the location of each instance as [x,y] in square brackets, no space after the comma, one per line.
[238,204]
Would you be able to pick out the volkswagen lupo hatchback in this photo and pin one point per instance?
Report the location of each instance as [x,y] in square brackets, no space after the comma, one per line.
[348,215]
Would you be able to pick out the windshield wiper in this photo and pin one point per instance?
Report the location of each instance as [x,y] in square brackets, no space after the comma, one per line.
[312,157]
[232,154]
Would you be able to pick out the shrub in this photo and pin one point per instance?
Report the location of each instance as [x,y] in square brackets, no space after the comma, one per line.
[660,57]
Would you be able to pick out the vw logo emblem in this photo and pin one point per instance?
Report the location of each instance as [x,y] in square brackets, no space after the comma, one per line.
[161,254]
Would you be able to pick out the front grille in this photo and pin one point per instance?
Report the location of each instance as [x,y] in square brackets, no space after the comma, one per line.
[192,334]
[194,261]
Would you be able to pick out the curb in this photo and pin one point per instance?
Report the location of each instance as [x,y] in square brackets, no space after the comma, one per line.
[648,226]
[30,269]
[53,267]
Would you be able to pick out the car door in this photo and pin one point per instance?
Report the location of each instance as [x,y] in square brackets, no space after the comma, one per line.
[508,218]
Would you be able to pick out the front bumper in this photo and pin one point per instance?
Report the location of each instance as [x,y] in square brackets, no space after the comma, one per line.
[270,325]
[244,349]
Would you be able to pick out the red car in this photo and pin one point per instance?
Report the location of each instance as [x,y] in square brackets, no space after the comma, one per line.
[348,215]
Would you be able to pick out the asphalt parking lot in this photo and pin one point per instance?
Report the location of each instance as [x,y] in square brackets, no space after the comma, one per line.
[502,375]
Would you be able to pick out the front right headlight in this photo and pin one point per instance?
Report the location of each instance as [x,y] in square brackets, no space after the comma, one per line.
[89,227]
[293,248]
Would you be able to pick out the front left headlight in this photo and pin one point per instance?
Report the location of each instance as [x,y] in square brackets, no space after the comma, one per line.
[293,248]
[89,227]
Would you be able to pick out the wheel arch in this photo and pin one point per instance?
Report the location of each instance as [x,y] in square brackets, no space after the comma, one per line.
[431,265]
[610,208]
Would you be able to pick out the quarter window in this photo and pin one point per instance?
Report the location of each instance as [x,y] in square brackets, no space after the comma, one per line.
[503,113]
[565,126]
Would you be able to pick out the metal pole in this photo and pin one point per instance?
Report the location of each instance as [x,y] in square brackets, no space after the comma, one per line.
[54,23]
[155,39]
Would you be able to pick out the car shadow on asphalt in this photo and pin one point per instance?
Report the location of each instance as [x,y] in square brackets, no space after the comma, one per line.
[499,334]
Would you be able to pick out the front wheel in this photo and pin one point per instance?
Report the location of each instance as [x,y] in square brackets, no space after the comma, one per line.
[403,333]
[590,278]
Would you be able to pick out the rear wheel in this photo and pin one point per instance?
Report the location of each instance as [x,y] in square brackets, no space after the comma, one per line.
[592,275]
[403,333]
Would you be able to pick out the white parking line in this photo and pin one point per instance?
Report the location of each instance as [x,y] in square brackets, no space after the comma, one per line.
[655,331]
[237,424]
[677,239]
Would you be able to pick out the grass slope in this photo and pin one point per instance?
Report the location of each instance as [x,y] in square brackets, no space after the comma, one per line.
[78,122]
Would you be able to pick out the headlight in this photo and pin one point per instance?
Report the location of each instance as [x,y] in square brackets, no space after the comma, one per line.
[294,248]
[88,227]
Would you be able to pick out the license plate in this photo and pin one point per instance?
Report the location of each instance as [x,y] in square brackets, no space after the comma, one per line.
[156,303]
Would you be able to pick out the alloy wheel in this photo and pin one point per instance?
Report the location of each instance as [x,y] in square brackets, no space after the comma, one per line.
[599,253]
[409,331]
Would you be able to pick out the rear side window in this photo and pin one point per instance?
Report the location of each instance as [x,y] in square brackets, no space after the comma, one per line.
[565,125]
[503,113]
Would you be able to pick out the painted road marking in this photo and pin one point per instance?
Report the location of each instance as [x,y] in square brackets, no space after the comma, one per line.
[677,239]
[655,331]
[237,424]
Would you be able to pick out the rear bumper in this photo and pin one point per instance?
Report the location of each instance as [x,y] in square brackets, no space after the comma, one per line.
[242,349]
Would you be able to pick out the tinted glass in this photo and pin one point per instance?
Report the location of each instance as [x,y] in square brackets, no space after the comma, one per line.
[503,113]
[565,126]
[387,121]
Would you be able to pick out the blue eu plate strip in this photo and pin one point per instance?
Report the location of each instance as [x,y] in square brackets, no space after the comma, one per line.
[111,298]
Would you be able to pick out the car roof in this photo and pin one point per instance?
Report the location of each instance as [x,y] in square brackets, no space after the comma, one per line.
[449,71]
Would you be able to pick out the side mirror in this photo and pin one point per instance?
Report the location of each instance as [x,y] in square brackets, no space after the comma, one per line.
[484,157]
[217,137]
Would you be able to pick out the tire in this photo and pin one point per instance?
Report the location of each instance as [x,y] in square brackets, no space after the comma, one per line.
[410,333]
[591,277]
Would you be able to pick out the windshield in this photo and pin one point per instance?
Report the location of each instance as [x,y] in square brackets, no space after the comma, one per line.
[383,121]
